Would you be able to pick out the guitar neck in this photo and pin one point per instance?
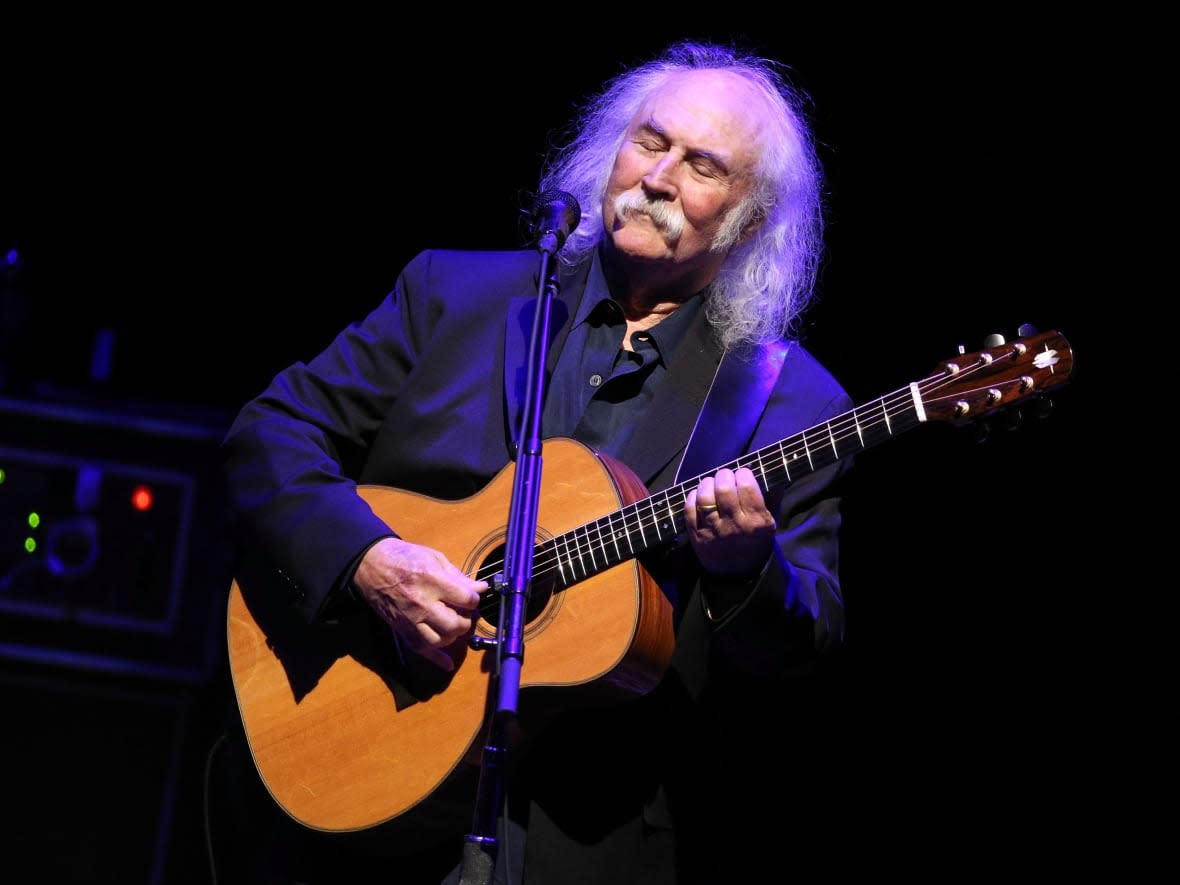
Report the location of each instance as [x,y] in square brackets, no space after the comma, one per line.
[959,391]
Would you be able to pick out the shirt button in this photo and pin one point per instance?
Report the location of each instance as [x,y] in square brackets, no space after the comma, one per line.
[595,380]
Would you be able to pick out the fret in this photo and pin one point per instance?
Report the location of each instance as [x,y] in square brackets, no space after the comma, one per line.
[581,561]
[651,504]
[566,578]
[758,469]
[642,536]
[672,528]
[614,536]
[591,544]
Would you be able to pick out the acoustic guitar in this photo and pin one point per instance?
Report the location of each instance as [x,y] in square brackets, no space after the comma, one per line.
[347,733]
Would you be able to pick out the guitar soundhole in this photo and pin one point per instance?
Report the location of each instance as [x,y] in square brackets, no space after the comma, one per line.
[541,593]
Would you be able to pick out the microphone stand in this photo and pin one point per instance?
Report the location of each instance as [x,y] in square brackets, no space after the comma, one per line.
[482,846]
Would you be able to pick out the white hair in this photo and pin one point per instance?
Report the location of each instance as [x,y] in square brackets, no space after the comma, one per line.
[768,279]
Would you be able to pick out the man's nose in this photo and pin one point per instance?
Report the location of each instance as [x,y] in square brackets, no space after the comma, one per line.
[660,179]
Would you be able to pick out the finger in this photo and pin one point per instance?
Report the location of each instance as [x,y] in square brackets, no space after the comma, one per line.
[705,499]
[450,624]
[725,494]
[690,510]
[443,637]
[749,492]
[458,589]
[427,635]
[467,596]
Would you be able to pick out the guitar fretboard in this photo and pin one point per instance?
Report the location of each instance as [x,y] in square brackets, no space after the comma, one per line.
[588,549]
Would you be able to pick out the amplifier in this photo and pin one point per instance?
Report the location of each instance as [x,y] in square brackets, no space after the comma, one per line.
[112,553]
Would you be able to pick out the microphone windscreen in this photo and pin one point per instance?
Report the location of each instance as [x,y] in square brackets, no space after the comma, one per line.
[556,212]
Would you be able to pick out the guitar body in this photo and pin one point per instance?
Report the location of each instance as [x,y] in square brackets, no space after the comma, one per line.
[347,733]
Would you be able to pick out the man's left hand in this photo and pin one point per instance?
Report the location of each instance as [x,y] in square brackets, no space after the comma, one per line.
[729,524]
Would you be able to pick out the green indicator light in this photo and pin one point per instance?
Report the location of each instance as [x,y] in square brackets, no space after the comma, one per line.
[30,545]
[3,476]
[34,520]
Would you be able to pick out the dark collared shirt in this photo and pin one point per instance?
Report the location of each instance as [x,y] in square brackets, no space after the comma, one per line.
[599,391]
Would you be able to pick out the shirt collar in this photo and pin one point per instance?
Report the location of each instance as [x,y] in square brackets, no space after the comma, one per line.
[595,293]
[666,334]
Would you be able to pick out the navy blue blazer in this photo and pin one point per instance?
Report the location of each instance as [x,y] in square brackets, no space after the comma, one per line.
[423,394]
[402,398]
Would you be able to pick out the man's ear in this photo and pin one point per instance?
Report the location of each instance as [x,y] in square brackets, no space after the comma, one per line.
[751,226]
[747,233]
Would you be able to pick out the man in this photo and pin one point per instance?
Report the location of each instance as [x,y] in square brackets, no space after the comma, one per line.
[695,254]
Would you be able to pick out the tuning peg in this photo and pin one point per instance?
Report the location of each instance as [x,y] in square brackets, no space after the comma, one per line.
[993,340]
[1013,418]
[981,431]
[1026,330]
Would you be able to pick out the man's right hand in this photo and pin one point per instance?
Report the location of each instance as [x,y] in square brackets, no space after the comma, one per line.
[427,600]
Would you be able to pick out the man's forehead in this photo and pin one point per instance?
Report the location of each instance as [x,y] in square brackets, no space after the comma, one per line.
[725,101]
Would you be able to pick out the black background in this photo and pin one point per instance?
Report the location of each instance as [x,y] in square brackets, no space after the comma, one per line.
[224,198]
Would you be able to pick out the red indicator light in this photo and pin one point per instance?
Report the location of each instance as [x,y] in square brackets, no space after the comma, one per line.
[141,498]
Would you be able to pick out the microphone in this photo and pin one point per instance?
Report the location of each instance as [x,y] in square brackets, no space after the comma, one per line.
[555,215]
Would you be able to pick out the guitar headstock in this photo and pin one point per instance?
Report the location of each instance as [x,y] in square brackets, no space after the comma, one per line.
[972,385]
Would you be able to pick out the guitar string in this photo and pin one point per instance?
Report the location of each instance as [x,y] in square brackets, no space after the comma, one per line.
[850,425]
[674,499]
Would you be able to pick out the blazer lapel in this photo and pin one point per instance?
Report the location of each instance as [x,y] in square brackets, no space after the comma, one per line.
[665,428]
[732,408]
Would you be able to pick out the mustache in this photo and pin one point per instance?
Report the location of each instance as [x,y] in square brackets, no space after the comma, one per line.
[667,218]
